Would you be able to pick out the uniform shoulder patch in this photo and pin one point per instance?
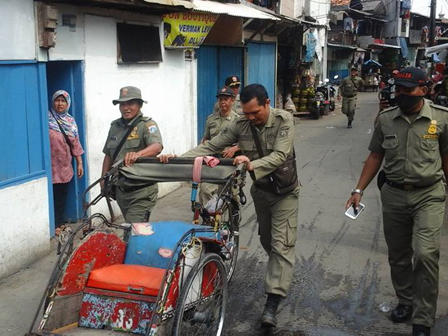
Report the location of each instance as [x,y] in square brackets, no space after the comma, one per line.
[390,109]
[439,107]
[115,121]
[151,126]
[285,115]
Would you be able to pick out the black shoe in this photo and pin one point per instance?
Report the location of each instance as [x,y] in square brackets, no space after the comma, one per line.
[401,313]
[349,124]
[268,319]
[420,330]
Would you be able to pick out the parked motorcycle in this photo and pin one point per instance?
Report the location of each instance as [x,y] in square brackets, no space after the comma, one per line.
[317,107]
[439,93]
[329,92]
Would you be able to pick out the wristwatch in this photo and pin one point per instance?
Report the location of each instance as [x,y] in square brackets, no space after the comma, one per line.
[357,191]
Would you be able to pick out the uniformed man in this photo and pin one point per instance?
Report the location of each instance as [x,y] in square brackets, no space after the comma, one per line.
[143,140]
[214,124]
[277,214]
[234,83]
[412,138]
[349,89]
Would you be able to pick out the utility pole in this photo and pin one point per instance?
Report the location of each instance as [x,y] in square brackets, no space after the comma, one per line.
[432,23]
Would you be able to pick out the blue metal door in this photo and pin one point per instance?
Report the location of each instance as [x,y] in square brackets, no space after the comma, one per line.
[215,64]
[68,76]
[261,62]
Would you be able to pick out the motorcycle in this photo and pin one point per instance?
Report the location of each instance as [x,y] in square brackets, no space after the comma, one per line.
[317,107]
[439,93]
[329,92]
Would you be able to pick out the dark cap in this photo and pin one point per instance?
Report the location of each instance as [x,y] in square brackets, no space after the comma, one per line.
[225,91]
[232,81]
[410,77]
[128,93]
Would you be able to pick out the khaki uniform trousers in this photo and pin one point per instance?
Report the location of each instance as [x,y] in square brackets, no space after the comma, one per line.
[277,220]
[135,204]
[349,107]
[206,191]
[412,223]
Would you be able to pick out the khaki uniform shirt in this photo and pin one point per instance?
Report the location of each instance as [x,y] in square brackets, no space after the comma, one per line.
[412,148]
[236,106]
[215,124]
[348,82]
[144,134]
[276,138]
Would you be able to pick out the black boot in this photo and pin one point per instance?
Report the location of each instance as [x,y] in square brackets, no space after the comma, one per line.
[349,124]
[401,313]
[420,330]
[268,319]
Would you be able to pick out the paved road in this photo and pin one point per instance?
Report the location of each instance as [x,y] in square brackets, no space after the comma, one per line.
[342,275]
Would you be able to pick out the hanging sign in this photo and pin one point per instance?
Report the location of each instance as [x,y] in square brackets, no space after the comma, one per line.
[187,30]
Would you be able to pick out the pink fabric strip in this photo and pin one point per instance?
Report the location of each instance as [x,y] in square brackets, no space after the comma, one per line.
[211,161]
[197,169]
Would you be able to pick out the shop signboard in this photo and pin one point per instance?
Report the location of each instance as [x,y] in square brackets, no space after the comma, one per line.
[187,30]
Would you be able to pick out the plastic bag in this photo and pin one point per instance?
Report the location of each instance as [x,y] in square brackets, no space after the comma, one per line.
[289,105]
[213,204]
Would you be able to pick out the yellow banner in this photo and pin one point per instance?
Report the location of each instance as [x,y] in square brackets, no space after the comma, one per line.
[187,30]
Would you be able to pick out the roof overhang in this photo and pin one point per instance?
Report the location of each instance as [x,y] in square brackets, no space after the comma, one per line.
[238,10]
[435,49]
[140,6]
[362,14]
[380,45]
[340,46]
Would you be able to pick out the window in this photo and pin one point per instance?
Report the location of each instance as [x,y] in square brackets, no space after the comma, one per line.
[138,44]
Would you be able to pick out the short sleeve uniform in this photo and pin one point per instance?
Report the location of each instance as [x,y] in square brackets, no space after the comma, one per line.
[215,124]
[146,133]
[412,148]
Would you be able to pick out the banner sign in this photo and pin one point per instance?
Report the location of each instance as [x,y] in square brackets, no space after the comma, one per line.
[187,30]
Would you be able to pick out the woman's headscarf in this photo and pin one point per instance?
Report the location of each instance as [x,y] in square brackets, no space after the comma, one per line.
[64,119]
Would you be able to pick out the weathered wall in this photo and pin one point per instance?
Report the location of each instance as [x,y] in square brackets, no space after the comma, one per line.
[17,30]
[24,232]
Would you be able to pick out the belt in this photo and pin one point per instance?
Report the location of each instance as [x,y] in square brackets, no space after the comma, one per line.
[406,187]
[131,189]
[350,96]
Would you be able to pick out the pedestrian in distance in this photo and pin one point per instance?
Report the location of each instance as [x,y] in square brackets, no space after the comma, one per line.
[265,136]
[215,123]
[349,88]
[412,139]
[130,137]
[234,83]
[64,145]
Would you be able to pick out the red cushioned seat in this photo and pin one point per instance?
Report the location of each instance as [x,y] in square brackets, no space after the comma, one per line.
[128,278]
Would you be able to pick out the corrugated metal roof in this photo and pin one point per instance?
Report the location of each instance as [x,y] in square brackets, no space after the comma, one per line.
[230,9]
[183,3]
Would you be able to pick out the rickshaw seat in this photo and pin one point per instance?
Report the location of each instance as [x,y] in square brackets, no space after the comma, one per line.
[156,247]
[128,278]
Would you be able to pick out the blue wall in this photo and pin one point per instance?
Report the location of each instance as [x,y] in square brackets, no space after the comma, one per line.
[261,63]
[215,64]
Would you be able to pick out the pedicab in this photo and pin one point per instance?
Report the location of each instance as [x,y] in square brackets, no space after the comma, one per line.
[150,278]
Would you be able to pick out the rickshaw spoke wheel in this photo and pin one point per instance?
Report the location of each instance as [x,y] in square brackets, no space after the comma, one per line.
[201,306]
[231,220]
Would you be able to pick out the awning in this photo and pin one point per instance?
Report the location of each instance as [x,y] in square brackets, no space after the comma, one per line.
[230,9]
[183,3]
[381,45]
[341,46]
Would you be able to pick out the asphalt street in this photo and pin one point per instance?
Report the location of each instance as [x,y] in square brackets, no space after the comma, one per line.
[341,274]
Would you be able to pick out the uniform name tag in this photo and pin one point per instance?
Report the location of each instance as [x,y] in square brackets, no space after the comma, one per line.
[431,136]
[390,136]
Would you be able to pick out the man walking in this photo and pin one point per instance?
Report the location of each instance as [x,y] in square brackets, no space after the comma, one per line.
[412,138]
[272,131]
[349,89]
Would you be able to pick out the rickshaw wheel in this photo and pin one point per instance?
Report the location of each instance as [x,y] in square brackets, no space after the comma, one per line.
[202,302]
[231,215]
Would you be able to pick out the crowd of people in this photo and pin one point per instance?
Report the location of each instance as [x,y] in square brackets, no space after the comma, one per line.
[409,142]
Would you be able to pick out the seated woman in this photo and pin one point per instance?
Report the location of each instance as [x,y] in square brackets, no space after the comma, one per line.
[64,144]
